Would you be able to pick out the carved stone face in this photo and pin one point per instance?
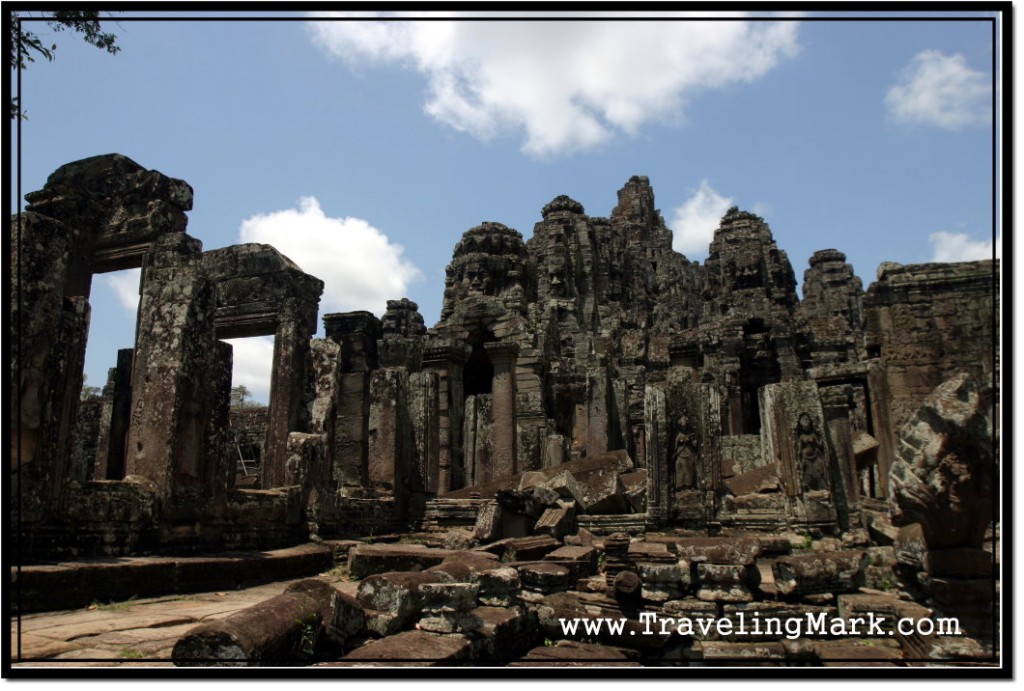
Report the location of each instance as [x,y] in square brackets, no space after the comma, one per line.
[478,280]
[804,424]
[748,273]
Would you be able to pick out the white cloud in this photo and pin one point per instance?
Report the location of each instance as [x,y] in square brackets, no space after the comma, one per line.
[567,85]
[961,247]
[694,222]
[253,362]
[360,267]
[125,285]
[941,90]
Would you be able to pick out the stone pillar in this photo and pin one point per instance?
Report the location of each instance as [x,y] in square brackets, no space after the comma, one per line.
[531,418]
[578,392]
[503,410]
[117,412]
[219,463]
[836,402]
[49,331]
[479,440]
[325,358]
[425,419]
[171,376]
[446,361]
[597,409]
[711,436]
[357,334]
[881,417]
[656,441]
[730,368]
[389,430]
[287,393]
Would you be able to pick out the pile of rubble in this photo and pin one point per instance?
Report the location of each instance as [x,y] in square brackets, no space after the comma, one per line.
[659,599]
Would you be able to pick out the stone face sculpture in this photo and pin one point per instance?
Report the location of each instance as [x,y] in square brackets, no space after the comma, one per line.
[489,261]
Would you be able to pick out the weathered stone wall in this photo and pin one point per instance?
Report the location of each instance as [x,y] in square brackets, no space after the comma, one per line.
[925,322]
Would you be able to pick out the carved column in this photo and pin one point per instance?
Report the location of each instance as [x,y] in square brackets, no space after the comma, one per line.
[447,361]
[503,410]
[171,381]
[836,404]
[51,329]
[656,432]
[597,409]
[357,334]
[424,408]
[389,432]
[287,393]
[881,416]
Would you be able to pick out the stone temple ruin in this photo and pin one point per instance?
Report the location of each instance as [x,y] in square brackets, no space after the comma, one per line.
[595,427]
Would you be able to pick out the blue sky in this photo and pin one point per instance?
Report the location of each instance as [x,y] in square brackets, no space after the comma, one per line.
[364,149]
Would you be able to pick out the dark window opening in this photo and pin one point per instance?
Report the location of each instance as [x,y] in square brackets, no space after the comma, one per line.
[478,375]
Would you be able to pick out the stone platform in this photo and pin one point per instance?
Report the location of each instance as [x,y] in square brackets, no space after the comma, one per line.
[68,585]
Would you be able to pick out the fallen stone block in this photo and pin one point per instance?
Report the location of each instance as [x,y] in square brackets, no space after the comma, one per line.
[585,557]
[856,538]
[488,523]
[544,577]
[556,522]
[459,539]
[366,560]
[573,654]
[879,526]
[664,582]
[566,486]
[635,487]
[448,597]
[717,550]
[283,630]
[862,652]
[756,481]
[726,582]
[498,587]
[529,502]
[881,606]
[523,548]
[341,616]
[450,622]
[650,552]
[465,565]
[397,594]
[603,493]
[382,624]
[627,586]
[722,652]
[504,633]
[827,572]
[415,647]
